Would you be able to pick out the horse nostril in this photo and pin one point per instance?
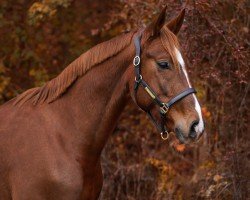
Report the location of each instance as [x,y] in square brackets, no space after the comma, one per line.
[192,132]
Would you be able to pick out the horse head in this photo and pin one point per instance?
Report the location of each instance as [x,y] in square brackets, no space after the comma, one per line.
[161,86]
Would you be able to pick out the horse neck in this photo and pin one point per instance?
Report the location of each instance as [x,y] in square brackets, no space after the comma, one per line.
[97,99]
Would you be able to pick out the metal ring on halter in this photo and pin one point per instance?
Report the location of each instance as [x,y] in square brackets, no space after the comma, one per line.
[140,78]
[164,133]
[136,60]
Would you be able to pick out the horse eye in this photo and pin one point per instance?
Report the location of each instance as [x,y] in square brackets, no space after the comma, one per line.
[164,65]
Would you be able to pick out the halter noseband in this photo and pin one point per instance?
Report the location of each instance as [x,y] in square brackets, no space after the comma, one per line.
[164,107]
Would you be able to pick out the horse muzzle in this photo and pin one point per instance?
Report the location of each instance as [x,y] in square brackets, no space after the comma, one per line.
[192,136]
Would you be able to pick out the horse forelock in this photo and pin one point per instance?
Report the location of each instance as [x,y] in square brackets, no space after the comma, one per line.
[170,43]
[53,89]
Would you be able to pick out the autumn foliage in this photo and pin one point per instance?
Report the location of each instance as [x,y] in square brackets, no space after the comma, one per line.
[39,38]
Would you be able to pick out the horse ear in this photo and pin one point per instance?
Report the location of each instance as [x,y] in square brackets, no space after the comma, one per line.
[158,23]
[175,24]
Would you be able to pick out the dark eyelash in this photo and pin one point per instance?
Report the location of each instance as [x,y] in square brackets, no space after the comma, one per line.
[164,65]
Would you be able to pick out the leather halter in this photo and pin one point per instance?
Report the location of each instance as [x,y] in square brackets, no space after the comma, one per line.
[164,107]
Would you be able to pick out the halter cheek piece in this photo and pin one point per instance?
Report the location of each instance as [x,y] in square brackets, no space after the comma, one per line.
[164,107]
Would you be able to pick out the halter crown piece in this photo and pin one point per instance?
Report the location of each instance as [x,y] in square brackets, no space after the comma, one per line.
[164,107]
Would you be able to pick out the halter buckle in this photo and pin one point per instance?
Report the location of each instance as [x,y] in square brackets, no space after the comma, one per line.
[164,108]
[164,135]
[136,60]
[139,79]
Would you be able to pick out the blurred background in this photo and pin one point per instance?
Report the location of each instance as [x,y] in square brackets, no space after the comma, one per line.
[38,39]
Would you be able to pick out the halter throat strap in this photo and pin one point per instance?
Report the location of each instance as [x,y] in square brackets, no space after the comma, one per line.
[164,107]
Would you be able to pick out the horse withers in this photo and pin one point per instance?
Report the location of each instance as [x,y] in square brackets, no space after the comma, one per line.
[51,137]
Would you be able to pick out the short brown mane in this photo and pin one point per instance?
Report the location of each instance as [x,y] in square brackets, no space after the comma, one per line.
[57,86]
[96,55]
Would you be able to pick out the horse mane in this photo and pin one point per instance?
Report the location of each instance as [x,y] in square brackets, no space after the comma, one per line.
[53,89]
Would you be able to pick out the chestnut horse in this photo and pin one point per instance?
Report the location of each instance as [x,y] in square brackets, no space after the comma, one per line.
[51,137]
